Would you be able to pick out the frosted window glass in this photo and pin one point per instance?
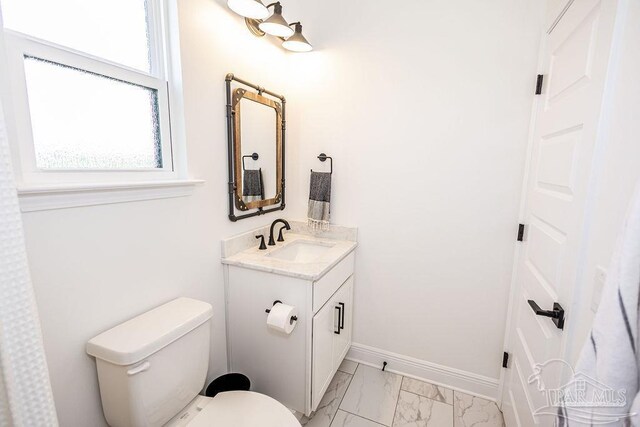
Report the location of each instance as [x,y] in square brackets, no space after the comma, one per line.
[82,120]
[116,30]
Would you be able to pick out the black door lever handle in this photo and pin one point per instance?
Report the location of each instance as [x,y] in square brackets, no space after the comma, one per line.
[540,312]
[557,314]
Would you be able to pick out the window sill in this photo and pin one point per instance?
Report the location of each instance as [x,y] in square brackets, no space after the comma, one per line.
[42,198]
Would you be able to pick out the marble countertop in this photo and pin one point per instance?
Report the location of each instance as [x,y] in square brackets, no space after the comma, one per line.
[243,251]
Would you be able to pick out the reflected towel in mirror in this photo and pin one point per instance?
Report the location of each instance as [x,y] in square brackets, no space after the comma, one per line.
[252,187]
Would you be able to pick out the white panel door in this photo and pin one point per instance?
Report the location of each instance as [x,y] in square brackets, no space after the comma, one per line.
[575,59]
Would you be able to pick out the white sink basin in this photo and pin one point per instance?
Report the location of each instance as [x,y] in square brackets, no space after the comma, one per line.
[301,251]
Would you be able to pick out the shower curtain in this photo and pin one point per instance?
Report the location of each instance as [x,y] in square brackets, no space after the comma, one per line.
[25,391]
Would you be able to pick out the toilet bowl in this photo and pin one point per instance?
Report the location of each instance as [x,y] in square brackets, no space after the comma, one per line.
[152,368]
[237,409]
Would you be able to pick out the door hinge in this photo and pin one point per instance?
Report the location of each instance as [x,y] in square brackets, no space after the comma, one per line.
[521,232]
[505,360]
[539,84]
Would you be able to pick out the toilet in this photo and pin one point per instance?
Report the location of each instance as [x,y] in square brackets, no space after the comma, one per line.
[152,368]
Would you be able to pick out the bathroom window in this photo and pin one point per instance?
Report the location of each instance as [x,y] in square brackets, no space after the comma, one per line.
[84,120]
[89,86]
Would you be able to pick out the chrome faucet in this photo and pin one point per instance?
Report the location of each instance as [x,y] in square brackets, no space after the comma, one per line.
[273,224]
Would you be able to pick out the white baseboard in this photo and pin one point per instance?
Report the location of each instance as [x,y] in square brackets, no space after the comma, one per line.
[456,379]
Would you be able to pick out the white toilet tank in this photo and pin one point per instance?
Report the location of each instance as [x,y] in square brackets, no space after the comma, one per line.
[152,366]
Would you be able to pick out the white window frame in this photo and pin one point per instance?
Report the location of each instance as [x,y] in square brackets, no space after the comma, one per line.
[60,188]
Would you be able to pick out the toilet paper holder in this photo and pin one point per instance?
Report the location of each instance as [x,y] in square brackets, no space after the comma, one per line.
[268,310]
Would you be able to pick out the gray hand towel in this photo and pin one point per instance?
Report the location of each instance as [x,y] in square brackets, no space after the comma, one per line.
[252,188]
[319,201]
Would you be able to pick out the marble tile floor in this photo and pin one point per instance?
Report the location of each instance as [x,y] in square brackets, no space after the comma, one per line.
[362,396]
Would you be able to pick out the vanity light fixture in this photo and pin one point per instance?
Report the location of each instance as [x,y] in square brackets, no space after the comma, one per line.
[252,9]
[255,12]
[276,25]
[297,42]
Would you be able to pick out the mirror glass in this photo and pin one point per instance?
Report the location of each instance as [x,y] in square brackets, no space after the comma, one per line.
[258,150]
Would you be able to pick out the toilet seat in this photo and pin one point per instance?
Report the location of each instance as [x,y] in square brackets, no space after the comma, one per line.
[244,409]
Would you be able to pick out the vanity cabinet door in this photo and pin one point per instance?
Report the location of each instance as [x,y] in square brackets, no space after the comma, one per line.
[342,341]
[325,327]
[331,339]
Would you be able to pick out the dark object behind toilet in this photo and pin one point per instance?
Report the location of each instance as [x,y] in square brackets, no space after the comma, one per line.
[228,382]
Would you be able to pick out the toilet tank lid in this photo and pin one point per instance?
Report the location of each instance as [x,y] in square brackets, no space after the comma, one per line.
[140,337]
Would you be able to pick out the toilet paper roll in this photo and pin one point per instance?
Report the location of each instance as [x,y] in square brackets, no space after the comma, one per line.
[280,318]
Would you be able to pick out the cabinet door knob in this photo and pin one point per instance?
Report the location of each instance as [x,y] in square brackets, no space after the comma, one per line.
[341,323]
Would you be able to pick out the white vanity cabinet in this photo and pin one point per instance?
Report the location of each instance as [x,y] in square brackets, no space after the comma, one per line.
[295,369]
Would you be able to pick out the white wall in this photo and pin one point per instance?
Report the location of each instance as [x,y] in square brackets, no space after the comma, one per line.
[425,108]
[95,267]
[619,173]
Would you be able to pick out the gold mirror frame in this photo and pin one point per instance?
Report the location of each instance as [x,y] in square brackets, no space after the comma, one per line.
[234,119]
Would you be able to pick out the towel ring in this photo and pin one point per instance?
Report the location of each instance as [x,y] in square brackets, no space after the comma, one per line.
[323,158]
[253,156]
